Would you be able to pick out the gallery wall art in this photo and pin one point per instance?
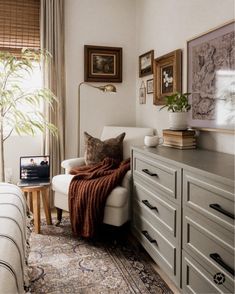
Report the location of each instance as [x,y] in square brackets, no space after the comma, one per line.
[211,78]
[167,76]
[102,64]
[146,63]
[142,93]
[149,86]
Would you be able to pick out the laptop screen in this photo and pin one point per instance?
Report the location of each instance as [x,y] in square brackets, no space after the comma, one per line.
[35,168]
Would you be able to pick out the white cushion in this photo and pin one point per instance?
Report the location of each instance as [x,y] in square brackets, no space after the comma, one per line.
[134,136]
[60,183]
[117,198]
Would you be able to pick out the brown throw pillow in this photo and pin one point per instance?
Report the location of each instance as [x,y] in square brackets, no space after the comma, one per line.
[96,150]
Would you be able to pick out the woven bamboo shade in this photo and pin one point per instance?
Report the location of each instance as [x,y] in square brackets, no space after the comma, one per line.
[19,25]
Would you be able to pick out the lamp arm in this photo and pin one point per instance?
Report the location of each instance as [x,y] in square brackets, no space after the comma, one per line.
[90,85]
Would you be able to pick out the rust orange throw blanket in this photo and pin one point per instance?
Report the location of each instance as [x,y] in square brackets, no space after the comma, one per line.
[88,192]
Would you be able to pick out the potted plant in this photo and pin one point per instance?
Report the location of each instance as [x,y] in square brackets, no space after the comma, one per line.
[19,108]
[178,106]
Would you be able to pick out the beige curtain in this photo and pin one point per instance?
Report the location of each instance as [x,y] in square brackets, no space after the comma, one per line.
[52,39]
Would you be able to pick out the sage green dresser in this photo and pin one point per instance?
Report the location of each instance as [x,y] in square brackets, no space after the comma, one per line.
[183,215]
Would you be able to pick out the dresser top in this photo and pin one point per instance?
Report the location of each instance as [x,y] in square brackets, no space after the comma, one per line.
[217,163]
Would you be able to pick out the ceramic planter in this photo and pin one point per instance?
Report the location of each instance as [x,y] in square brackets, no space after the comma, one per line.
[178,120]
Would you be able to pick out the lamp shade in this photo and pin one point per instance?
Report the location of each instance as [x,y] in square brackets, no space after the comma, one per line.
[108,88]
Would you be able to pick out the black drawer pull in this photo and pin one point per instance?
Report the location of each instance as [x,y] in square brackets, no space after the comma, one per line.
[219,260]
[145,170]
[223,211]
[147,236]
[149,205]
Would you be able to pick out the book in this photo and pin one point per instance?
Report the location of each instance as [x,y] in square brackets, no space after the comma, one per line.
[179,140]
[180,147]
[184,133]
[170,142]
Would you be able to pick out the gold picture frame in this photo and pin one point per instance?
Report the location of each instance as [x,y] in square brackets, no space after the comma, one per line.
[167,76]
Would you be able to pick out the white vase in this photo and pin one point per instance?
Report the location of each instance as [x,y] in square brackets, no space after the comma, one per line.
[178,120]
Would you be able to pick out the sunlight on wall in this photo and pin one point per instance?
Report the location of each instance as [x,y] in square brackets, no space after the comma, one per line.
[17,146]
[225,93]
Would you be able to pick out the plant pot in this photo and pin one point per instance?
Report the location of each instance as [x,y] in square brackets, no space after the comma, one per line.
[178,120]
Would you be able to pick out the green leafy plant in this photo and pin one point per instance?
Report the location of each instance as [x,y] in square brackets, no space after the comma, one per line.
[177,102]
[19,108]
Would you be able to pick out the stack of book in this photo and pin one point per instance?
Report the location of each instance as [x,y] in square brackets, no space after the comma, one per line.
[179,139]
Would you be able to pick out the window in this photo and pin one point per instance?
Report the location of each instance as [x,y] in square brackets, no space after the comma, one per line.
[20,28]
[19,25]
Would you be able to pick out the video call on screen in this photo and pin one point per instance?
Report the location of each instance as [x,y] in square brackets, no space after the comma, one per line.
[33,168]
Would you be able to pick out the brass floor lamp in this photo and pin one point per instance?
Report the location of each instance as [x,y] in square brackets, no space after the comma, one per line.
[109,88]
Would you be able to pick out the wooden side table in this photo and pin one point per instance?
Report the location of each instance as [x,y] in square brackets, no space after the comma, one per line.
[32,194]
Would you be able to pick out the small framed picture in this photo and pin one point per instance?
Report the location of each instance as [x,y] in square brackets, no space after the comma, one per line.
[102,64]
[167,75]
[150,86]
[142,93]
[146,63]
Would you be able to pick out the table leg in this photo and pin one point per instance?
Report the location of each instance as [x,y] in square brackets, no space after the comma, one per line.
[30,201]
[46,204]
[36,211]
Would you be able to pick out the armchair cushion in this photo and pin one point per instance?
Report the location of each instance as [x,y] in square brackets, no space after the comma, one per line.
[96,150]
[61,183]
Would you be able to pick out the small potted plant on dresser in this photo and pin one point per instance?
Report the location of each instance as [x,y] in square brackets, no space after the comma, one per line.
[178,106]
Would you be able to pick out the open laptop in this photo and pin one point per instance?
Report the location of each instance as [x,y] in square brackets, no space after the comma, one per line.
[34,170]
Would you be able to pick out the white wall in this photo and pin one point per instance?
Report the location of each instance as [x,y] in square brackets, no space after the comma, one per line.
[108,23]
[15,147]
[165,26]
[137,26]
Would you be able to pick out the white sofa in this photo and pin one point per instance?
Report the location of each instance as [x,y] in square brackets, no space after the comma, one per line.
[14,235]
[117,205]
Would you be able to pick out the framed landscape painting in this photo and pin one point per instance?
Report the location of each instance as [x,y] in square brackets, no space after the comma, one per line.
[211,79]
[102,64]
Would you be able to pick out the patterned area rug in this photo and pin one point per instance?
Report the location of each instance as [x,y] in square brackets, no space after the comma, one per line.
[60,263]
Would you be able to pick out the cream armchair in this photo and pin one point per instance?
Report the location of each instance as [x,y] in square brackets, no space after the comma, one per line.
[116,211]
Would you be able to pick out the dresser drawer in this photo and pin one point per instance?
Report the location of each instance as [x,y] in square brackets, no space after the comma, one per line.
[160,249]
[157,211]
[156,173]
[196,279]
[211,198]
[203,243]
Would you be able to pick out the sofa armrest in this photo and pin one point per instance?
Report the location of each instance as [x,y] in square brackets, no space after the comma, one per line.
[126,182]
[68,164]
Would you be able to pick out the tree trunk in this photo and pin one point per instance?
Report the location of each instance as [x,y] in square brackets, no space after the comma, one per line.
[2,163]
